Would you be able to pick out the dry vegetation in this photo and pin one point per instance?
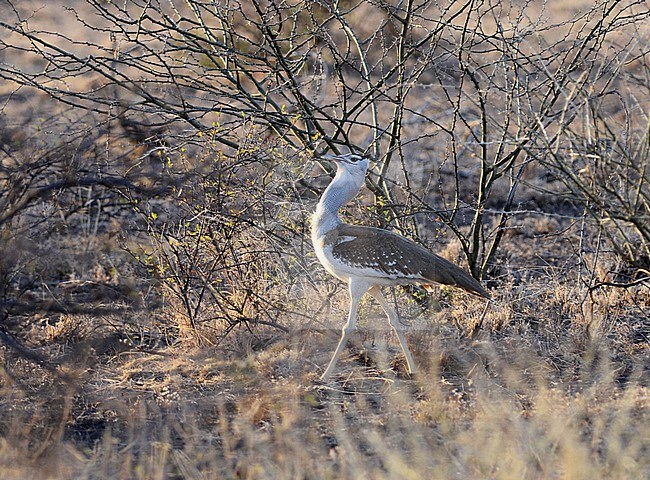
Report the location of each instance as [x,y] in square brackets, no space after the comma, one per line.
[162,314]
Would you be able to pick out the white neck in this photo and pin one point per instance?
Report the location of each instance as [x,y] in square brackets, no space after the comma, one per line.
[343,188]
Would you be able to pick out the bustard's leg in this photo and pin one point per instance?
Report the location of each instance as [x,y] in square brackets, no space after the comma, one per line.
[356,289]
[375,291]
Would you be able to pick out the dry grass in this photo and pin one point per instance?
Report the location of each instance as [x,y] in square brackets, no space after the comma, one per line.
[482,409]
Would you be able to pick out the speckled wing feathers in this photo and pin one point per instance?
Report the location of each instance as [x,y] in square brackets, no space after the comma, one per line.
[398,257]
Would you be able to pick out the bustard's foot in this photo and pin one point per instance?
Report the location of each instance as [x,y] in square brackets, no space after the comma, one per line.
[322,380]
[402,368]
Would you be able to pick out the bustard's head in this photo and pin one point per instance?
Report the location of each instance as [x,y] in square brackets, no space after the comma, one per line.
[351,164]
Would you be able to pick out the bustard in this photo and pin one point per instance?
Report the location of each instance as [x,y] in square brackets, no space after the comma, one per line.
[368,258]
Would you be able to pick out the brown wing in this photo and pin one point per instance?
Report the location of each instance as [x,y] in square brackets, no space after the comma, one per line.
[399,258]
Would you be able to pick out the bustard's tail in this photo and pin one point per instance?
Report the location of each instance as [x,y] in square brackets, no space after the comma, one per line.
[446,273]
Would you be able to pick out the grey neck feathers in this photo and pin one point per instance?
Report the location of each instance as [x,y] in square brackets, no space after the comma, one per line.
[343,188]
